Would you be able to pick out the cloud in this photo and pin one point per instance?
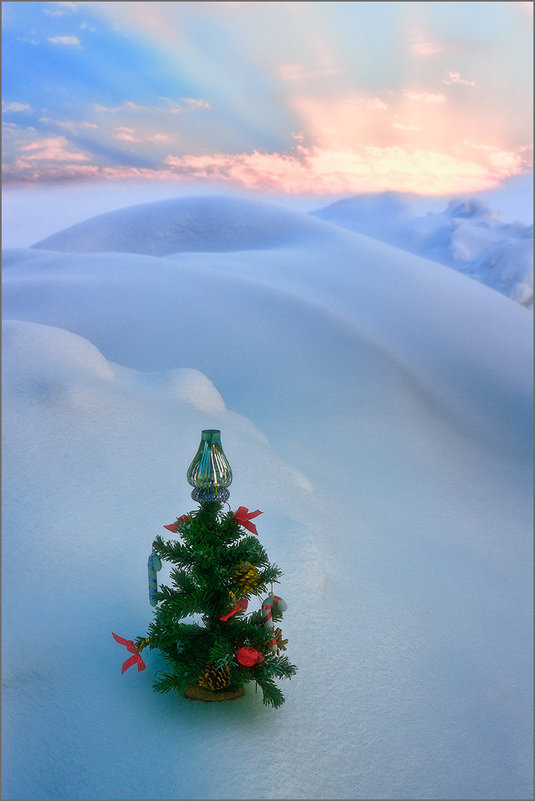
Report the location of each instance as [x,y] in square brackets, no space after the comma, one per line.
[125,137]
[454,77]
[194,102]
[352,170]
[425,97]
[69,125]
[15,106]
[60,9]
[170,107]
[51,149]
[128,105]
[125,134]
[68,41]
[311,170]
[158,137]
[505,162]
[376,104]
[135,106]
[183,104]
[421,46]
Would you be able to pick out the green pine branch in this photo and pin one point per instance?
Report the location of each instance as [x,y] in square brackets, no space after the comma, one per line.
[272,694]
[175,552]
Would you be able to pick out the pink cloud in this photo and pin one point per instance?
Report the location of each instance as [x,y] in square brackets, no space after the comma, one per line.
[135,106]
[320,170]
[51,149]
[421,46]
[376,104]
[454,77]
[158,137]
[351,170]
[125,134]
[196,102]
[24,171]
[425,97]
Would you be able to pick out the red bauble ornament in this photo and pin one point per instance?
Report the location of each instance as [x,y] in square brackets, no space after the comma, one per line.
[248,656]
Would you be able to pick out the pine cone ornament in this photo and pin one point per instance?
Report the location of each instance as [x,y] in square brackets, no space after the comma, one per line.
[215,678]
[245,576]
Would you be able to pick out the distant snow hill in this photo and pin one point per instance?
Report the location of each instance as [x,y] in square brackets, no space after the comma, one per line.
[187,224]
[466,236]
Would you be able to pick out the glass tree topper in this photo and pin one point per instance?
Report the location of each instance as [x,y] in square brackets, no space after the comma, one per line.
[209,473]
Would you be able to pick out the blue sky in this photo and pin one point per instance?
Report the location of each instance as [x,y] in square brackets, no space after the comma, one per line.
[284,96]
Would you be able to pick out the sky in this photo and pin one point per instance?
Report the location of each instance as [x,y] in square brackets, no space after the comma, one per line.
[277,97]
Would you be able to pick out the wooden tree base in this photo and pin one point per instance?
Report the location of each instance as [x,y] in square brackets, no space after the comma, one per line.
[197,693]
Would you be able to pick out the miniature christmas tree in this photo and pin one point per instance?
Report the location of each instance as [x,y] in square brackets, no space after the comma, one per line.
[217,568]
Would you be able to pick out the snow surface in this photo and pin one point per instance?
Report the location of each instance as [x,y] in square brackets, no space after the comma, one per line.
[467,236]
[377,406]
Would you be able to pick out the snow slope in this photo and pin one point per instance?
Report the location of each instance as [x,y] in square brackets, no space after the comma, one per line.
[375,405]
[205,223]
[466,236]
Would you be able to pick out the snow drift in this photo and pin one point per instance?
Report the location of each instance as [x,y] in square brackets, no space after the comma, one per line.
[467,236]
[377,407]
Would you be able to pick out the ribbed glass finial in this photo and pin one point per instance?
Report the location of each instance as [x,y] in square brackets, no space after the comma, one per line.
[210,473]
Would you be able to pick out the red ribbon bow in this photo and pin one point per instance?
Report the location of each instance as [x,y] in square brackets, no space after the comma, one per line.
[133,650]
[241,606]
[174,526]
[244,517]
